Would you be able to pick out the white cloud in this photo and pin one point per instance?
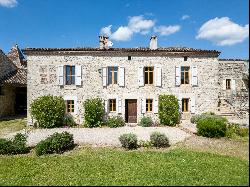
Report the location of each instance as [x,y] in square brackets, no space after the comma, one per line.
[185,17]
[136,24]
[222,31]
[167,30]
[106,31]
[122,34]
[8,3]
[139,24]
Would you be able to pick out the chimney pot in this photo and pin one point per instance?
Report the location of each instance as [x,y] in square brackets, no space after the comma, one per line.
[153,42]
[103,40]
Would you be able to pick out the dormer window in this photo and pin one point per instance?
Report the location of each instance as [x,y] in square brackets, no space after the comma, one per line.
[185,58]
[129,57]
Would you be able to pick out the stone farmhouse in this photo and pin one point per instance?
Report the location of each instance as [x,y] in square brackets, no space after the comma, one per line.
[13,83]
[129,80]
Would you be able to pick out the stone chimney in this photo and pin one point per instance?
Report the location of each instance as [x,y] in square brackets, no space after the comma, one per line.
[153,42]
[103,40]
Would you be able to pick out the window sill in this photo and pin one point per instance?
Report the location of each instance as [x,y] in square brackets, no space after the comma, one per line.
[69,87]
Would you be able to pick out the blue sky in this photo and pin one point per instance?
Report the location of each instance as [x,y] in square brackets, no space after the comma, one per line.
[206,24]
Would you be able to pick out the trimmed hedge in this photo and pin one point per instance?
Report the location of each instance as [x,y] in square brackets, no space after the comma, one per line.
[116,121]
[159,140]
[56,143]
[129,141]
[15,146]
[212,126]
[234,129]
[168,110]
[93,112]
[146,121]
[48,111]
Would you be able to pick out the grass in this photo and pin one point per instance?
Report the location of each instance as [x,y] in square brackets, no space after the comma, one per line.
[106,166]
[11,125]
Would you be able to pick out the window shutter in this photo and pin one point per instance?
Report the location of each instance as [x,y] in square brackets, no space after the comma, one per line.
[61,75]
[192,105]
[104,76]
[194,76]
[158,75]
[78,75]
[106,105]
[233,85]
[75,105]
[121,76]
[155,103]
[119,105]
[224,85]
[180,103]
[141,76]
[177,75]
[143,106]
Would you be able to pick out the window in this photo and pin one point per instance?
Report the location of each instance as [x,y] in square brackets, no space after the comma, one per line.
[112,105]
[185,74]
[149,75]
[70,106]
[1,90]
[228,84]
[185,105]
[112,75]
[149,105]
[70,75]
[129,57]
[185,58]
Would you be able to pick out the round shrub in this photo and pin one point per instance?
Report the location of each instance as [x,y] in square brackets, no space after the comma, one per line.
[212,126]
[128,141]
[48,111]
[56,143]
[15,146]
[94,112]
[146,122]
[168,110]
[116,121]
[197,117]
[159,140]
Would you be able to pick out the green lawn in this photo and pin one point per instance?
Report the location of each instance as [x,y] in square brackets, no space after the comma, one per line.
[106,166]
[11,125]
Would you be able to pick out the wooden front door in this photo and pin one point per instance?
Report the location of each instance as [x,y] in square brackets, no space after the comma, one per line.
[131,111]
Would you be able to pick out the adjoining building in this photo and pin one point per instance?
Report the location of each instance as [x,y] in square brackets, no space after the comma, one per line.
[129,80]
[13,83]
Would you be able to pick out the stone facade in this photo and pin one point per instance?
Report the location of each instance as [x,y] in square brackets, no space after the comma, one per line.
[236,96]
[43,70]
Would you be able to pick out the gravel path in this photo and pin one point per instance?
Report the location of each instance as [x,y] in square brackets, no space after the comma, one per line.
[105,136]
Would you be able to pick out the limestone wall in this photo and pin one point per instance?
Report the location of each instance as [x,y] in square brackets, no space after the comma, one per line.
[43,80]
[6,65]
[238,99]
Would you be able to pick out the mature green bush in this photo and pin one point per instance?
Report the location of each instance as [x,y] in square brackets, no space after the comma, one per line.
[48,111]
[146,121]
[159,140]
[212,126]
[15,146]
[168,110]
[197,117]
[94,112]
[116,121]
[56,143]
[145,143]
[234,129]
[68,120]
[128,141]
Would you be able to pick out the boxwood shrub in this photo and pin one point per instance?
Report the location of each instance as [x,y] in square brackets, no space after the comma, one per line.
[146,121]
[159,140]
[15,146]
[168,110]
[56,143]
[48,111]
[93,112]
[129,141]
[116,121]
[212,126]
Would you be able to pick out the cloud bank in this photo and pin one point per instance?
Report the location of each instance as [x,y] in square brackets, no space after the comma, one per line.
[8,3]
